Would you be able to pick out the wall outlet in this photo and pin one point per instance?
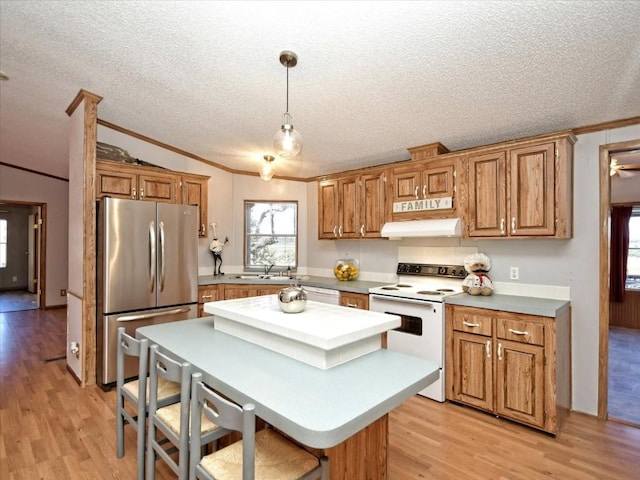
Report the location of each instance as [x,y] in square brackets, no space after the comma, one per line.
[514,273]
[63,293]
[14,279]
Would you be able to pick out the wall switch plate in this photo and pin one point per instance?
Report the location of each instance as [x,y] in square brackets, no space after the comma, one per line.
[14,279]
[63,293]
[514,273]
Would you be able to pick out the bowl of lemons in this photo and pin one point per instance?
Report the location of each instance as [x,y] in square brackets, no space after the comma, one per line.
[346,269]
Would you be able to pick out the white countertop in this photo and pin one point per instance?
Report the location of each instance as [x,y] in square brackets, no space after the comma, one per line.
[321,325]
[322,335]
[319,408]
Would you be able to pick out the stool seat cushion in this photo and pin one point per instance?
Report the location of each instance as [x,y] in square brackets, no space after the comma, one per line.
[170,415]
[276,459]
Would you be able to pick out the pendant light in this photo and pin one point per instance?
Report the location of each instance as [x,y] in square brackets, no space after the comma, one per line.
[287,142]
[266,169]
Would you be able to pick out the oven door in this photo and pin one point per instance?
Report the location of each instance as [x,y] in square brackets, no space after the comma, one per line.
[421,333]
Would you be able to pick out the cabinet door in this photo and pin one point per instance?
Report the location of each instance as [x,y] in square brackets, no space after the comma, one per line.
[487,195]
[473,370]
[348,207]
[195,192]
[328,209]
[207,293]
[268,290]
[115,182]
[354,300]
[407,183]
[520,382]
[240,291]
[156,187]
[372,204]
[532,182]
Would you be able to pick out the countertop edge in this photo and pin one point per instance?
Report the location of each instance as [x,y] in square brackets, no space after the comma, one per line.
[543,307]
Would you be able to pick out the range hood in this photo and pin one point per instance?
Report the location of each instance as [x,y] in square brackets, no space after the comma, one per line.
[441,227]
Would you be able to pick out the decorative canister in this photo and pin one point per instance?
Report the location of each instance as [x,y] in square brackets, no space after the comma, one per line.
[292,299]
[346,269]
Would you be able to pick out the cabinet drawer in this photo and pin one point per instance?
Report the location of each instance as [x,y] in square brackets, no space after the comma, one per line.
[207,294]
[520,331]
[471,323]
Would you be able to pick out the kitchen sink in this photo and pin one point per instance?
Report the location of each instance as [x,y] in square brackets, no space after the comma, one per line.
[264,277]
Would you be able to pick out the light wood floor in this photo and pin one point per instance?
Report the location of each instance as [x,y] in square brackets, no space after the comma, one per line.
[50,428]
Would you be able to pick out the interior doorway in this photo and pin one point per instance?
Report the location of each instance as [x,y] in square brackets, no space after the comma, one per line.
[619,344]
[22,276]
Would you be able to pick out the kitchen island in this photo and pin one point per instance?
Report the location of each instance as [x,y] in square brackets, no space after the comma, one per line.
[340,412]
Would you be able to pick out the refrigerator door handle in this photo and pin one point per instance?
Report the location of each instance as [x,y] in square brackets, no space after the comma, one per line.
[143,316]
[152,255]
[162,256]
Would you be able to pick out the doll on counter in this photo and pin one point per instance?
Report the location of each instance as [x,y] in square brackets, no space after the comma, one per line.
[216,247]
[477,282]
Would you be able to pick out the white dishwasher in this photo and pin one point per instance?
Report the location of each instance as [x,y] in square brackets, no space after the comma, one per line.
[323,295]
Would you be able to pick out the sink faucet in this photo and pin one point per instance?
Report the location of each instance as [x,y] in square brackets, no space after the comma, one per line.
[267,268]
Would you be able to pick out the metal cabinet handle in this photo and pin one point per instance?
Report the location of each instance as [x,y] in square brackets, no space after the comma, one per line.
[487,348]
[340,231]
[352,305]
[425,191]
[133,193]
[468,324]
[415,193]
[502,226]
[513,224]
[518,332]
[206,297]
[362,230]
[141,193]
[499,351]
[335,230]
[202,231]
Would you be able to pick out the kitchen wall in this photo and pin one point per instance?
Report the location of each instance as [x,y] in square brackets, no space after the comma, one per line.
[569,267]
[21,186]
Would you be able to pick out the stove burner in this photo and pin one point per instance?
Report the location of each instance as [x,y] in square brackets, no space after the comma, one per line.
[388,288]
[445,290]
[403,285]
[428,292]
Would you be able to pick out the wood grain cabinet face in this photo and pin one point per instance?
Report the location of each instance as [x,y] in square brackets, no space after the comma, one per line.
[206,293]
[354,300]
[195,192]
[423,181]
[352,207]
[512,365]
[521,191]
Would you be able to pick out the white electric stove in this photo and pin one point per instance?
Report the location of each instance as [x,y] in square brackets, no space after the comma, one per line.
[417,297]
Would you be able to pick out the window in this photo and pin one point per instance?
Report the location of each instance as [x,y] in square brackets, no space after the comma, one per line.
[3,244]
[633,258]
[271,234]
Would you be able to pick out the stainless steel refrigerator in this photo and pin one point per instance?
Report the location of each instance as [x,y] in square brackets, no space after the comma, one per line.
[147,272]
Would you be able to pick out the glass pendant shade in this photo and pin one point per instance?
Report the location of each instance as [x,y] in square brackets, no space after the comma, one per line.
[266,169]
[287,142]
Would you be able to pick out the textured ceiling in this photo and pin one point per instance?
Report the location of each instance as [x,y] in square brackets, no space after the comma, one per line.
[373,78]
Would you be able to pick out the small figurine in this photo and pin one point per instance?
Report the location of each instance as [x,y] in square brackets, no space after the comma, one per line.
[477,282]
[216,247]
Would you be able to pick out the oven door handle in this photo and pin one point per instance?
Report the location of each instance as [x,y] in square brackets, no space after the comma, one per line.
[399,300]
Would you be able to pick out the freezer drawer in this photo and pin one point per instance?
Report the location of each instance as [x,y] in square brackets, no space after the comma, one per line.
[107,337]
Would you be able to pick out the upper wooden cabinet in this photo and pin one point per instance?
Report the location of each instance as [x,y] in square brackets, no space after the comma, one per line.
[523,190]
[121,180]
[352,206]
[195,192]
[423,190]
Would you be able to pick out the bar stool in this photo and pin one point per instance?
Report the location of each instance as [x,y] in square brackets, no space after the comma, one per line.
[173,420]
[265,455]
[135,392]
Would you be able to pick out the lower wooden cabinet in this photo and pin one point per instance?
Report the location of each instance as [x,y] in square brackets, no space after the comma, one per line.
[237,290]
[354,300]
[206,293]
[513,365]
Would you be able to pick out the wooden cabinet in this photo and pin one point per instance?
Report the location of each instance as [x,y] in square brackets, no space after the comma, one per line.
[352,206]
[194,191]
[354,300]
[237,290]
[514,365]
[424,190]
[521,190]
[121,180]
[206,293]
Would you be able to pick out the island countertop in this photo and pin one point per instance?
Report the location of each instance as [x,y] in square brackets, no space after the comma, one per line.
[319,408]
